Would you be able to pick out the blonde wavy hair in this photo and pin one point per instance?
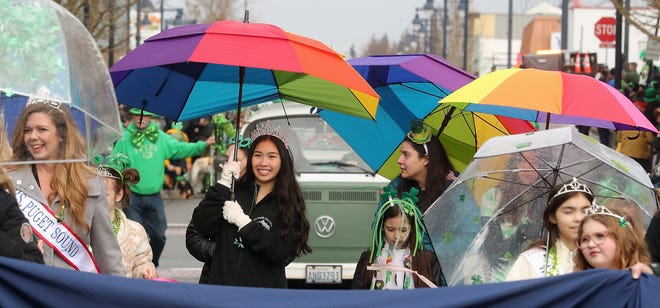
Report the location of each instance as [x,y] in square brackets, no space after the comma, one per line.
[630,245]
[70,179]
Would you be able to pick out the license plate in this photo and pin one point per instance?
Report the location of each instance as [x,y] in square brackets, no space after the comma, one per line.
[323,274]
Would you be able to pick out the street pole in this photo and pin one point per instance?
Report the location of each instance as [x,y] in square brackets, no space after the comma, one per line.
[649,76]
[138,23]
[111,33]
[432,32]
[162,15]
[465,35]
[444,30]
[564,25]
[618,56]
[626,31]
[510,35]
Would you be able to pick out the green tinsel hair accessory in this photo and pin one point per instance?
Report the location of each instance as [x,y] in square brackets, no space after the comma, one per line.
[419,132]
[117,162]
[407,207]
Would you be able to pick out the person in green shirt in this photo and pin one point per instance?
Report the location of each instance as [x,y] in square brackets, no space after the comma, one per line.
[147,147]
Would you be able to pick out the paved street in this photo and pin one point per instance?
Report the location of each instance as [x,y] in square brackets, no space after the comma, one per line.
[175,262]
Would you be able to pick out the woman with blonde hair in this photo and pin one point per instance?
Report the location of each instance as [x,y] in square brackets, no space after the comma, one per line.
[62,197]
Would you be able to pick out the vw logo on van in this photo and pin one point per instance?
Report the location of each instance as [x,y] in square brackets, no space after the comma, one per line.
[324,226]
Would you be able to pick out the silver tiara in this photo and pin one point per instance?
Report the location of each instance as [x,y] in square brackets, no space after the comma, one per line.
[596,209]
[269,129]
[50,103]
[106,173]
[573,186]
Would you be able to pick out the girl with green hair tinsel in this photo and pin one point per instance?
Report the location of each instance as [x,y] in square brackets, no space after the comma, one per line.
[397,259]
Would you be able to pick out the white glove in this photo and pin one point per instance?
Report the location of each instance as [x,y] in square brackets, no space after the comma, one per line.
[233,213]
[229,169]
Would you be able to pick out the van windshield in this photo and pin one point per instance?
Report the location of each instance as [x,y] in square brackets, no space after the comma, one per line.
[315,146]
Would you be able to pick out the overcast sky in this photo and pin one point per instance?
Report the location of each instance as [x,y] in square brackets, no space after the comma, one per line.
[343,23]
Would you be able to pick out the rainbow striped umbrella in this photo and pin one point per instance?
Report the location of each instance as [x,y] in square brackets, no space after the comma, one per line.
[410,87]
[192,71]
[550,97]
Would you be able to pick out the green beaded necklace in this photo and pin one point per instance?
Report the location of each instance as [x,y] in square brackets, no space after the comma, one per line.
[60,218]
[116,222]
[553,269]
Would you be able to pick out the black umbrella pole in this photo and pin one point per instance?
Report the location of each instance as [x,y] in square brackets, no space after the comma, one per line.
[241,79]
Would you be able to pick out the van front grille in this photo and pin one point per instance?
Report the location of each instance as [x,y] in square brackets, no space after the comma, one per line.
[359,196]
[314,195]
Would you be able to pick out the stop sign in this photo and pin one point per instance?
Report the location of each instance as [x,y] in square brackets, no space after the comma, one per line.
[605,29]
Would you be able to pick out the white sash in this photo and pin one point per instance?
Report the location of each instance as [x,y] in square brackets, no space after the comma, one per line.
[537,260]
[58,236]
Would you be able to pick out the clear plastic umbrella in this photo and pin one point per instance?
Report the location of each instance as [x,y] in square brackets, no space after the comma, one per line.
[47,53]
[495,208]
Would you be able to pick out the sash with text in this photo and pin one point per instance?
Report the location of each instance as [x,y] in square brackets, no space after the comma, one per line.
[57,235]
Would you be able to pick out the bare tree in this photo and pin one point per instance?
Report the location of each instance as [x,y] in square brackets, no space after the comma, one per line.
[208,11]
[107,21]
[378,46]
[646,20]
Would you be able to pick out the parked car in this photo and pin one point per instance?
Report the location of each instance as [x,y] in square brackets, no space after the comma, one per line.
[341,193]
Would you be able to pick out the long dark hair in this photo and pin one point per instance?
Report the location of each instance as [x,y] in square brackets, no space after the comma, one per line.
[290,201]
[436,175]
[391,212]
[553,204]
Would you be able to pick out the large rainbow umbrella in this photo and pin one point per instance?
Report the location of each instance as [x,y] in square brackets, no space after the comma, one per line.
[192,71]
[550,97]
[410,87]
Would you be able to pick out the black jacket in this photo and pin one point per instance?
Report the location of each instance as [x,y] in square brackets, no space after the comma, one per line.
[265,252]
[202,248]
[16,235]
[653,237]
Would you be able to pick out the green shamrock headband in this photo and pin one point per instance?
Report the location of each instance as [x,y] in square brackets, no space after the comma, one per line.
[419,133]
[243,142]
[407,207]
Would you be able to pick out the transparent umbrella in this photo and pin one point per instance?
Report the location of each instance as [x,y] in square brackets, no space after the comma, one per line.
[47,53]
[495,207]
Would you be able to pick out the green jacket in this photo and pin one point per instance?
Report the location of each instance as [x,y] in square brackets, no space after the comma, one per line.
[149,158]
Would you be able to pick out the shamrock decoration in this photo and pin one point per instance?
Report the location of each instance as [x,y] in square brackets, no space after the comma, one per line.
[388,192]
[448,237]
[411,195]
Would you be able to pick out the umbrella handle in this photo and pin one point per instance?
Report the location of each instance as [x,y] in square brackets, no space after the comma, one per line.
[241,79]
